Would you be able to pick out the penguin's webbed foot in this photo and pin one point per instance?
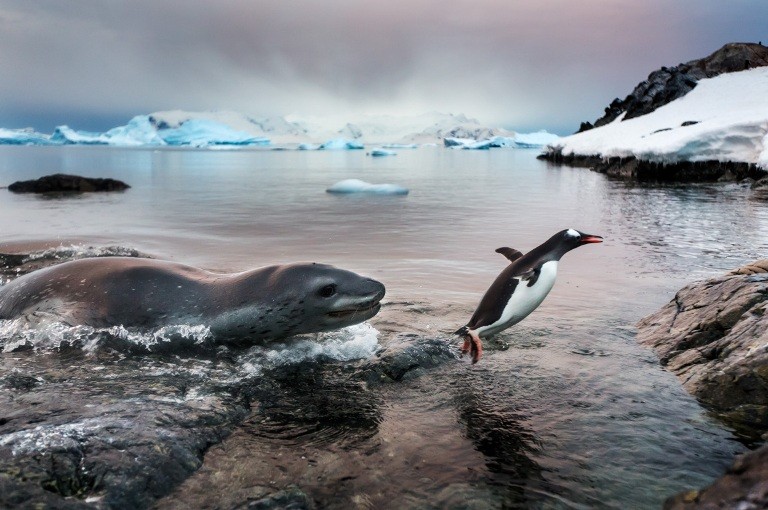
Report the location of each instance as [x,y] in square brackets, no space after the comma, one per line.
[472,345]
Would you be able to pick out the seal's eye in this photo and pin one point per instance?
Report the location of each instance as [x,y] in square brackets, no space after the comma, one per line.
[328,290]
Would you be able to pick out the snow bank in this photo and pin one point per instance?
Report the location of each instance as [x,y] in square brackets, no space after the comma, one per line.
[724,118]
[348,186]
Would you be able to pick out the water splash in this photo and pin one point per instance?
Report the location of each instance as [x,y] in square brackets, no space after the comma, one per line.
[354,342]
[360,341]
[17,335]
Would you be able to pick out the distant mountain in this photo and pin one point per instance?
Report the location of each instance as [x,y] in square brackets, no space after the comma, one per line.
[669,83]
[201,129]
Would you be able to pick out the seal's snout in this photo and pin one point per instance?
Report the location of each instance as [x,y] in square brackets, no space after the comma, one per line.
[376,289]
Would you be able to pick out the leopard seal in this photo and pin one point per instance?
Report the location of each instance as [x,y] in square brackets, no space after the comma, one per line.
[254,306]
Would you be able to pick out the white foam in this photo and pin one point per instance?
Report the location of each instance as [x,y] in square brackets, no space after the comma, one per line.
[360,341]
[16,334]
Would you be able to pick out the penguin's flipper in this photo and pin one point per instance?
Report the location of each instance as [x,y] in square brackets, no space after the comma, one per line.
[511,253]
[531,276]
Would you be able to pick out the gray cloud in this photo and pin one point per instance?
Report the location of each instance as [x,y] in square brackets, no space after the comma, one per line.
[550,63]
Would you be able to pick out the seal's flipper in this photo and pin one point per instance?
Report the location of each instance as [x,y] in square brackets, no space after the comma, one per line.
[511,253]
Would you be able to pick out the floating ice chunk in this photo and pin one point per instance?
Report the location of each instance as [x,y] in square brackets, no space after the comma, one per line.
[23,137]
[204,132]
[341,144]
[348,186]
[400,146]
[382,152]
[308,147]
[535,140]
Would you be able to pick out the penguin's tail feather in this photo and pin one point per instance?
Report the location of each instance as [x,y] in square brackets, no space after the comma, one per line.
[464,330]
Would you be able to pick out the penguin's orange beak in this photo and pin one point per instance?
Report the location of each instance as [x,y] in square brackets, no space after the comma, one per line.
[589,238]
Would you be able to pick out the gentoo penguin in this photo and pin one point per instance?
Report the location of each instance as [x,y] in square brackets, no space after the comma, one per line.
[520,288]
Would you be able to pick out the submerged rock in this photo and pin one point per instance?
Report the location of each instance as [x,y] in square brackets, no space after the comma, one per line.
[743,486]
[714,336]
[64,183]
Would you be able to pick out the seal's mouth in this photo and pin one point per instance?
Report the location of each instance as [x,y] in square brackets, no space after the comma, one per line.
[369,307]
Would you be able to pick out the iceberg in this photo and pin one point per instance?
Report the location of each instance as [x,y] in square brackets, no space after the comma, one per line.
[382,152]
[341,144]
[205,132]
[534,140]
[138,131]
[26,136]
[518,141]
[308,147]
[451,141]
[349,186]
[65,135]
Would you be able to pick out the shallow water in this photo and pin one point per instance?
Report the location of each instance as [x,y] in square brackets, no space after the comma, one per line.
[565,412]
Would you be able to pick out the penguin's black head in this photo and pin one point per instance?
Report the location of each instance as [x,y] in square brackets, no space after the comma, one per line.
[566,240]
[572,238]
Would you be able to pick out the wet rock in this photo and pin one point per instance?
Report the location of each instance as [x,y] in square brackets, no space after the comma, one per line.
[289,499]
[633,169]
[669,83]
[743,486]
[111,430]
[761,184]
[64,183]
[402,362]
[714,336]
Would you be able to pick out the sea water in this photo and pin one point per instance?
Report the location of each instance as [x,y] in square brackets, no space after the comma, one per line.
[565,410]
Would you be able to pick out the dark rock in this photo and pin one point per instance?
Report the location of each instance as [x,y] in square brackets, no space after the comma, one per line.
[648,171]
[714,336]
[761,184]
[689,123]
[743,486]
[669,83]
[63,183]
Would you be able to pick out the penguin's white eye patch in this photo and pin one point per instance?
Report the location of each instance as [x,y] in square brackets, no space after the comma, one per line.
[572,233]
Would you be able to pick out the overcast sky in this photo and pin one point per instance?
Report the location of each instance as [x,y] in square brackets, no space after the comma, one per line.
[525,65]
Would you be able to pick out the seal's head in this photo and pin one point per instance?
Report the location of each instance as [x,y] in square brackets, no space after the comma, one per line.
[334,298]
[285,300]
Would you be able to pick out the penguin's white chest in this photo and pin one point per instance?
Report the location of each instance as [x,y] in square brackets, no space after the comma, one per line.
[524,299]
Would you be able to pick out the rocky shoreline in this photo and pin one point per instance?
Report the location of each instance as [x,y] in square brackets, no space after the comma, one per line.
[714,336]
[648,171]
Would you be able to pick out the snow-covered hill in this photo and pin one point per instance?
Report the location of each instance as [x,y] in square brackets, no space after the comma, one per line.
[724,119]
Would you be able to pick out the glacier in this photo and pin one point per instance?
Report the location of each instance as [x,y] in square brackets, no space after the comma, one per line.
[724,119]
[222,129]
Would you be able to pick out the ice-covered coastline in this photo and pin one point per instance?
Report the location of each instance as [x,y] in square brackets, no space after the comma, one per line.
[720,128]
[231,129]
